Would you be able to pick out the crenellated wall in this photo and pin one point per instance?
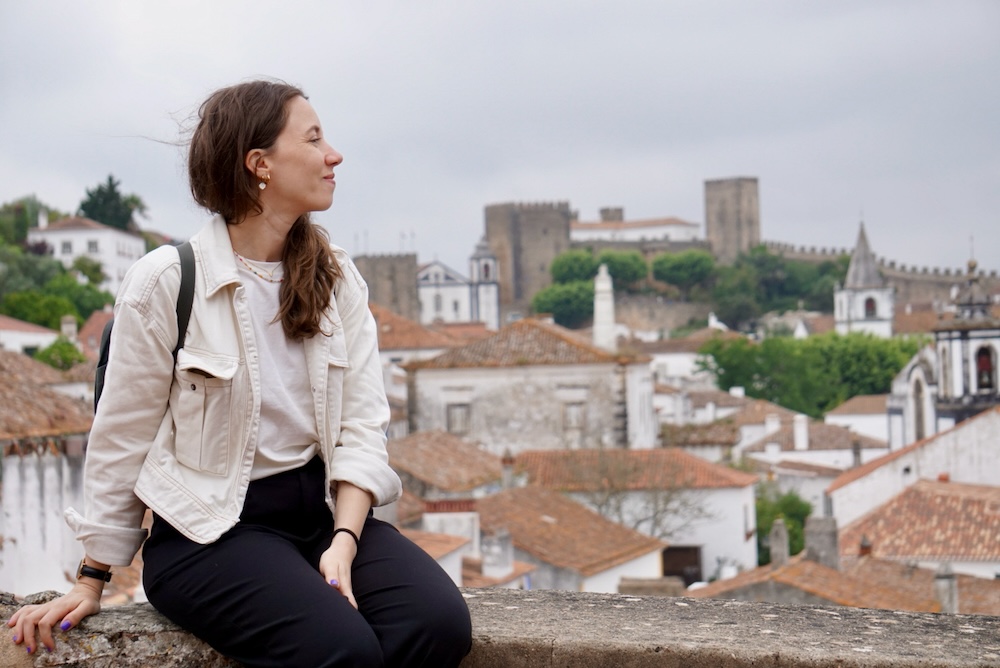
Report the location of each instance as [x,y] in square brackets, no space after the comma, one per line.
[531,629]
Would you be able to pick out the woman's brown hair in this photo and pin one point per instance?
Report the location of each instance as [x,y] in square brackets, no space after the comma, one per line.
[232,122]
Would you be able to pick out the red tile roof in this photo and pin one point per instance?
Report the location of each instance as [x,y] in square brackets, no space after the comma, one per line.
[756,412]
[435,544]
[444,461]
[462,332]
[822,436]
[409,509]
[398,333]
[29,409]
[691,343]
[10,324]
[701,399]
[862,404]
[592,470]
[559,531]
[472,573]
[717,433]
[79,223]
[90,333]
[526,342]
[931,521]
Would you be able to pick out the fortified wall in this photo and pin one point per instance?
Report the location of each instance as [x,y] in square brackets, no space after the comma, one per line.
[531,629]
[913,284]
[392,282]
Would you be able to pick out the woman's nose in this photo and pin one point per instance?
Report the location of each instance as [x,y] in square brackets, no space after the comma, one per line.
[333,157]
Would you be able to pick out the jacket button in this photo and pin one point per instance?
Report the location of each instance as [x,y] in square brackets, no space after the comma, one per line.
[193,386]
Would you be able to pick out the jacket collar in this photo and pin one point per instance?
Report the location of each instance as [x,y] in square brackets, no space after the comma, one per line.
[218,264]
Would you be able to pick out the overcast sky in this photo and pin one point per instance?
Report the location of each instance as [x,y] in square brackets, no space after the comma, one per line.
[888,110]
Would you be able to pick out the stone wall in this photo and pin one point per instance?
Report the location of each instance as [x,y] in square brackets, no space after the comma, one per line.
[531,629]
[392,282]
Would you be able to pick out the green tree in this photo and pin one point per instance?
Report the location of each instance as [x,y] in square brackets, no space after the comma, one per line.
[85,298]
[106,204]
[39,308]
[810,375]
[791,508]
[89,268]
[685,269]
[20,271]
[573,265]
[62,354]
[571,304]
[626,267]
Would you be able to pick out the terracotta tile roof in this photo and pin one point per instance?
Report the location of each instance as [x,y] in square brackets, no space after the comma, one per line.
[592,470]
[82,372]
[444,461]
[862,404]
[90,333]
[79,223]
[398,333]
[822,436]
[803,467]
[687,344]
[462,332]
[931,521]
[700,399]
[28,409]
[526,342]
[717,433]
[435,544]
[823,582]
[820,324]
[859,472]
[663,388]
[472,573]
[559,531]
[9,324]
[921,321]
[630,224]
[756,412]
[976,596]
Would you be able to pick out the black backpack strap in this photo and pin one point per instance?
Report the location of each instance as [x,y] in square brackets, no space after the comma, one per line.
[185,298]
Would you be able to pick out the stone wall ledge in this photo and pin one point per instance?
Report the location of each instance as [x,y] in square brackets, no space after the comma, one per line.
[557,628]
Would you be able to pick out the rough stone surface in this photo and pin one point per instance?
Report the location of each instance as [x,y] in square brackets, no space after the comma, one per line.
[563,629]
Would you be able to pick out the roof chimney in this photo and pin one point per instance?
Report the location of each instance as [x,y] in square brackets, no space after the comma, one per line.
[822,545]
[865,548]
[778,541]
[507,469]
[946,588]
[68,327]
[856,451]
[800,432]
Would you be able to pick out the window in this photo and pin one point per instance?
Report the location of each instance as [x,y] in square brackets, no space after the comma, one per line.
[486,271]
[454,307]
[984,368]
[437,303]
[92,246]
[458,419]
[573,416]
[67,248]
[870,308]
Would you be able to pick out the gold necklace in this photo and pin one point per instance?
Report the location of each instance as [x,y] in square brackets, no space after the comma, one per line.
[260,272]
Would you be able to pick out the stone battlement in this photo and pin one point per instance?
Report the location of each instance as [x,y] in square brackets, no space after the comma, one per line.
[558,628]
[531,206]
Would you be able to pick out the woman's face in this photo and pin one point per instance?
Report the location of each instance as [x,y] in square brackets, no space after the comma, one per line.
[300,164]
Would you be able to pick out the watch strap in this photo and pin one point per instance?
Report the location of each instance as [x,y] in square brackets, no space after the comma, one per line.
[86,571]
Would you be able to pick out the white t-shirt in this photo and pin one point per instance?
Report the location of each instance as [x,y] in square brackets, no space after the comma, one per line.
[288,435]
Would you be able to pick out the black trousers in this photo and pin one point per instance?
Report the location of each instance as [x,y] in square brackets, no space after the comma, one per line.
[256,594]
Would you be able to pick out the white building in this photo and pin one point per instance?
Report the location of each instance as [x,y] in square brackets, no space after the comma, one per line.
[865,414]
[24,337]
[967,453]
[866,303]
[447,296]
[534,385]
[74,237]
[614,227]
[704,511]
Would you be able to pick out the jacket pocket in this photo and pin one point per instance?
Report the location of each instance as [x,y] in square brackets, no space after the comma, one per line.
[202,410]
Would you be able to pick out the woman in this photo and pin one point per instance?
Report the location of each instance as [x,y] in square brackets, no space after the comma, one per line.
[273,414]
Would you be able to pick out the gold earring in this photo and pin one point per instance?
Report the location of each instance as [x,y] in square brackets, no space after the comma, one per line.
[264,180]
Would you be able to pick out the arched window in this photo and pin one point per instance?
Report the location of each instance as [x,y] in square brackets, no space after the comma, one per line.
[985,368]
[486,271]
[918,410]
[946,389]
[437,303]
[870,308]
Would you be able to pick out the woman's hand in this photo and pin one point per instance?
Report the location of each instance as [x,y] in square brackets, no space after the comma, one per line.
[64,612]
[335,565]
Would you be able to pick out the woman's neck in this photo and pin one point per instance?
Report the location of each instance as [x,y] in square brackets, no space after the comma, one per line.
[260,238]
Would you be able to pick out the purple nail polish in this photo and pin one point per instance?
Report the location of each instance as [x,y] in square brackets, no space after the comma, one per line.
[48,649]
[65,625]
[334,582]
[29,650]
[16,639]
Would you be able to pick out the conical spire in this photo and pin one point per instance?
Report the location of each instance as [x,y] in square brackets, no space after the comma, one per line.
[863,271]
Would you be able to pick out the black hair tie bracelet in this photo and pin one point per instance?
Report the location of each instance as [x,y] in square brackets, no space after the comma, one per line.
[350,533]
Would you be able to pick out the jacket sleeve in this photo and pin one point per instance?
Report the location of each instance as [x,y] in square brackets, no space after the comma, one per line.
[131,410]
[360,457]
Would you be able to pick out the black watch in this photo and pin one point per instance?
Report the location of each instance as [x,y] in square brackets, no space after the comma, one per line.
[86,571]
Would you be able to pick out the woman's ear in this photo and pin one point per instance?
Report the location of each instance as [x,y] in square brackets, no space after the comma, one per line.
[255,162]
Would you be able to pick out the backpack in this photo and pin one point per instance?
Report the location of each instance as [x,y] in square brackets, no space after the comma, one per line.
[185,298]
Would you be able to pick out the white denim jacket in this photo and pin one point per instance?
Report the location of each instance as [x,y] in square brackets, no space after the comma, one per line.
[181,438]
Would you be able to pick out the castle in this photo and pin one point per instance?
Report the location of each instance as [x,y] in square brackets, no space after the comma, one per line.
[526,237]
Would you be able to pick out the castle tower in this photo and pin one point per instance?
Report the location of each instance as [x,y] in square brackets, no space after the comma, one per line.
[525,238]
[866,303]
[968,348]
[391,282]
[732,217]
[604,311]
[484,286]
